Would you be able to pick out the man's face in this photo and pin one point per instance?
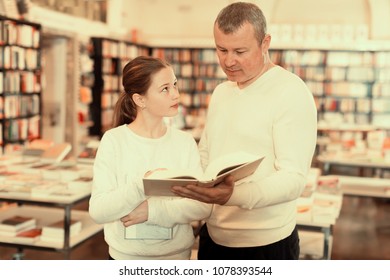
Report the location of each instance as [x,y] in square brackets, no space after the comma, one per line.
[240,54]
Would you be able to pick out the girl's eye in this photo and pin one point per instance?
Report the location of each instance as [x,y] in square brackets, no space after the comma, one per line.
[165,89]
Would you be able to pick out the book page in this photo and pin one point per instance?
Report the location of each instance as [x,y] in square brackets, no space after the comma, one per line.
[175,174]
[226,163]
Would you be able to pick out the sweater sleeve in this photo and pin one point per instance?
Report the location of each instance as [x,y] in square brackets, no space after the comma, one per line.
[110,201]
[294,137]
[169,213]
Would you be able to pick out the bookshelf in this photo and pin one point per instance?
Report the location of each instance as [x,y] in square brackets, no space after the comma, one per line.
[20,81]
[350,87]
[46,216]
[109,57]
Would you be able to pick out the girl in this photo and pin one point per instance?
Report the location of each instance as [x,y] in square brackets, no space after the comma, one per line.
[139,143]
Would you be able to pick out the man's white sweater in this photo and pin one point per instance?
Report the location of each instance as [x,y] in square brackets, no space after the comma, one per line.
[276,117]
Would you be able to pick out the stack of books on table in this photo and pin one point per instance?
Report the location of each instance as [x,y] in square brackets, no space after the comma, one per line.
[88,154]
[55,232]
[305,201]
[29,236]
[327,200]
[14,225]
[321,200]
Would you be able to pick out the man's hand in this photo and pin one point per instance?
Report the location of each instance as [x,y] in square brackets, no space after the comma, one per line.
[137,216]
[218,194]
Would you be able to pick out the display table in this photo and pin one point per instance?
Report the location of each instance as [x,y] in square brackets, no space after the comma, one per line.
[316,238]
[47,209]
[364,186]
[378,166]
[318,209]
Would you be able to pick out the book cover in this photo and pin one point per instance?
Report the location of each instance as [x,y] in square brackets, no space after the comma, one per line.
[81,184]
[89,153]
[56,153]
[56,229]
[240,165]
[17,223]
[29,236]
[145,231]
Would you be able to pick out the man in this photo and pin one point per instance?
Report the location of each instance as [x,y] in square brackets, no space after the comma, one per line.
[265,110]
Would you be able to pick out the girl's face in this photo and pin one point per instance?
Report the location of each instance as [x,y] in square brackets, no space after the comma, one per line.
[162,97]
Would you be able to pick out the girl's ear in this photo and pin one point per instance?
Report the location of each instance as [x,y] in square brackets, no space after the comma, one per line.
[139,100]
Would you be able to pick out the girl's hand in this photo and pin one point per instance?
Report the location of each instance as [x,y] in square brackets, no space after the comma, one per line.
[137,216]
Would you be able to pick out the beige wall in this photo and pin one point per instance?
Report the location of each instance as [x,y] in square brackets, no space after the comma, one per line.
[189,21]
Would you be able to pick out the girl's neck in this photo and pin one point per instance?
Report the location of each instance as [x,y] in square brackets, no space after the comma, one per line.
[148,129]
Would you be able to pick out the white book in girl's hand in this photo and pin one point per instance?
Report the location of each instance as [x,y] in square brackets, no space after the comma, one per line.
[240,165]
[146,231]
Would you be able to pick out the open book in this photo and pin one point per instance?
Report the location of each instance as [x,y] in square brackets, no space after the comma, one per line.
[239,165]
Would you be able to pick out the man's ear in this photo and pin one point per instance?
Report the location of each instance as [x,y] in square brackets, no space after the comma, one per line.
[266,42]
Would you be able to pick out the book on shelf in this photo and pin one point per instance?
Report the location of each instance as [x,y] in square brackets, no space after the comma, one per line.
[55,230]
[146,231]
[17,223]
[240,165]
[29,236]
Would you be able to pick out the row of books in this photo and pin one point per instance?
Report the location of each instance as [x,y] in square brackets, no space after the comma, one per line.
[108,100]
[111,82]
[346,105]
[338,118]
[18,58]
[173,55]
[118,49]
[19,82]
[331,58]
[13,106]
[14,33]
[21,129]
[198,70]
[25,229]
[336,74]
